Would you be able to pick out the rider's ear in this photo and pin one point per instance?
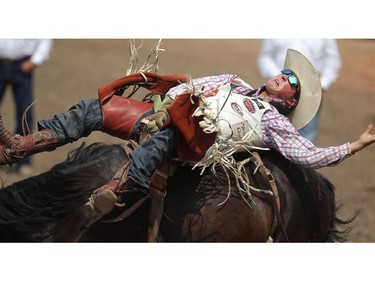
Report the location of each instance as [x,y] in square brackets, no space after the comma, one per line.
[292,102]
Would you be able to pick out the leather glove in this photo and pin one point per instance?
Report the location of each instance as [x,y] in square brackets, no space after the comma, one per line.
[156,121]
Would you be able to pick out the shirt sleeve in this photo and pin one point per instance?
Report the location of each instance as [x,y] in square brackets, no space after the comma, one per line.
[42,51]
[207,83]
[280,134]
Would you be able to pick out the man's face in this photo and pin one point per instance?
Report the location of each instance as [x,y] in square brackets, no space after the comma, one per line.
[280,88]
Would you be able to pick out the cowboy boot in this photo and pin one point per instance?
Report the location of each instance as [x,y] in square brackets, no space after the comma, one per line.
[14,147]
[104,198]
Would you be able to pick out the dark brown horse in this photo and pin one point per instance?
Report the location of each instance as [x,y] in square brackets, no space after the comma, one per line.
[47,207]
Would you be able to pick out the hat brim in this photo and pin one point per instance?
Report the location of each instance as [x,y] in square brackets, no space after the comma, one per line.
[310,88]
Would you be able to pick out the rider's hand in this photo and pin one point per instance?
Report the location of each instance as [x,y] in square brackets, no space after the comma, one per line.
[364,140]
[156,121]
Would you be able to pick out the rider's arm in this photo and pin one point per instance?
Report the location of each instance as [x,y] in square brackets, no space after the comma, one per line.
[280,134]
[207,83]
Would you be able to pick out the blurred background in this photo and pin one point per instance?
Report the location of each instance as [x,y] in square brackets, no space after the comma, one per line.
[78,67]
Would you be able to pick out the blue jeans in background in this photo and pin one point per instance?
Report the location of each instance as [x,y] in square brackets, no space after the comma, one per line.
[310,131]
[22,88]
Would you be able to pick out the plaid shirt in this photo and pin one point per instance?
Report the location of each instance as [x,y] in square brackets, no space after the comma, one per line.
[278,132]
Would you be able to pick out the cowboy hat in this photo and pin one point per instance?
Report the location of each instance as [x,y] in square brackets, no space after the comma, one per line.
[310,88]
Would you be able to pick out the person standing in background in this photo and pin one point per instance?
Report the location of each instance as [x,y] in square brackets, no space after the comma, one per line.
[322,53]
[18,60]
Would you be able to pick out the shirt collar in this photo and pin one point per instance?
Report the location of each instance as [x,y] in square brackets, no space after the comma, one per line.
[260,90]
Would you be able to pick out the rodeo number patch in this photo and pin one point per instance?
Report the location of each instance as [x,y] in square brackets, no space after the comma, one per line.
[249,105]
[240,130]
[237,108]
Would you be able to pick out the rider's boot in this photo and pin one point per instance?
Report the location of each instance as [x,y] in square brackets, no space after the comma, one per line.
[14,147]
[104,199]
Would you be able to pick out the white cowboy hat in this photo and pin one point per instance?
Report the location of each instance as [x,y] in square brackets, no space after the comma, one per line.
[310,88]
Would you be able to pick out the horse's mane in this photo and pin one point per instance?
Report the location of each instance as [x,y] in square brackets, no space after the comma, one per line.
[30,204]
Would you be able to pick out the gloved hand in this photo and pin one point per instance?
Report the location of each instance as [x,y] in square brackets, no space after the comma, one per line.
[156,121]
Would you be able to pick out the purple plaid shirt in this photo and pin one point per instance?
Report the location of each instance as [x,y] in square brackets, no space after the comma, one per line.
[278,132]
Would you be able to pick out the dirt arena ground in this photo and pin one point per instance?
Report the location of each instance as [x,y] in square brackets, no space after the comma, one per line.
[77,68]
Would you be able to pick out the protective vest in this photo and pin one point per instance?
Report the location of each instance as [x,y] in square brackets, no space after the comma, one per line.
[233,120]
[234,117]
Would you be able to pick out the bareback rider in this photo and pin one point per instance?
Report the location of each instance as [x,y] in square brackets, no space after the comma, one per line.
[265,112]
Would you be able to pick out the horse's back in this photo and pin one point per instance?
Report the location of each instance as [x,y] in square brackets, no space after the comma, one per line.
[194,211]
[197,209]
